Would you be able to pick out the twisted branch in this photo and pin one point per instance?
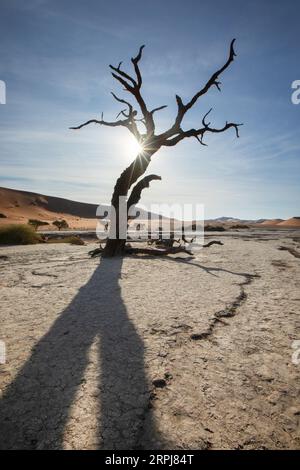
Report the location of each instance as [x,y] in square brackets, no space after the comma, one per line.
[199,133]
[175,132]
[136,192]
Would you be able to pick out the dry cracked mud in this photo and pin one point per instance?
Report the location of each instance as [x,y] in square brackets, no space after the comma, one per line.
[150,353]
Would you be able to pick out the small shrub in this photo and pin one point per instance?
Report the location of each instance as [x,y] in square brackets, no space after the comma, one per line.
[18,234]
[37,223]
[239,226]
[214,228]
[73,240]
[60,224]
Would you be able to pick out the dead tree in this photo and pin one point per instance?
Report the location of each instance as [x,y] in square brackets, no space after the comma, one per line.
[149,141]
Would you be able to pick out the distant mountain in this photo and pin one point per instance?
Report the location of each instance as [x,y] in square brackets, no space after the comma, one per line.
[224,219]
[260,221]
[228,220]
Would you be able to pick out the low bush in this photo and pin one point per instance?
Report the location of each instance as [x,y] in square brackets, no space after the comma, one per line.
[214,228]
[37,223]
[239,226]
[18,234]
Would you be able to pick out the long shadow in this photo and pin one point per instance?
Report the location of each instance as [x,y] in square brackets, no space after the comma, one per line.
[35,408]
[190,260]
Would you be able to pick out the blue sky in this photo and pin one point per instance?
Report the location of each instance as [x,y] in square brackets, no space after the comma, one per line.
[54,58]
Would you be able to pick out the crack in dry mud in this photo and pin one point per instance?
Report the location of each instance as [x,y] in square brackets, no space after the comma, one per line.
[35,273]
[227,312]
[292,251]
[159,384]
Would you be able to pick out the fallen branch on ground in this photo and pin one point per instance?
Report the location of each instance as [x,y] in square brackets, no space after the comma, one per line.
[213,242]
[168,249]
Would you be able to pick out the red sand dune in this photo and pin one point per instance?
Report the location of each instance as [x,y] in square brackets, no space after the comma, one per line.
[271,222]
[19,206]
[292,222]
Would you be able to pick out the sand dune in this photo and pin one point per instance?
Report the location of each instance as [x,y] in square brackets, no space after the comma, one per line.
[292,222]
[272,222]
[19,206]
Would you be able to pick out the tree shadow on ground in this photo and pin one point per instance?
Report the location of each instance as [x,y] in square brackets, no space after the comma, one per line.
[35,408]
[192,261]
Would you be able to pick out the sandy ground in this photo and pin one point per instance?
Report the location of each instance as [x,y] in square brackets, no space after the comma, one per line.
[150,353]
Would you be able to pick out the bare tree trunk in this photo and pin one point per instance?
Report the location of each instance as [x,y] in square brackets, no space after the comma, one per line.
[115,246]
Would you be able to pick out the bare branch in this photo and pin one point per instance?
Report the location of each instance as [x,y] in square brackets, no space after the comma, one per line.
[179,101]
[158,109]
[213,242]
[131,112]
[123,82]
[120,100]
[213,79]
[175,134]
[134,88]
[122,113]
[199,133]
[200,140]
[135,61]
[123,74]
[157,251]
[104,123]
[228,125]
[136,192]
[204,117]
[96,252]
[183,108]
[128,122]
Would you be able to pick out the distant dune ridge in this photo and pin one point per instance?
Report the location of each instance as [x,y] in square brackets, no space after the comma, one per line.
[271,222]
[293,222]
[20,206]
